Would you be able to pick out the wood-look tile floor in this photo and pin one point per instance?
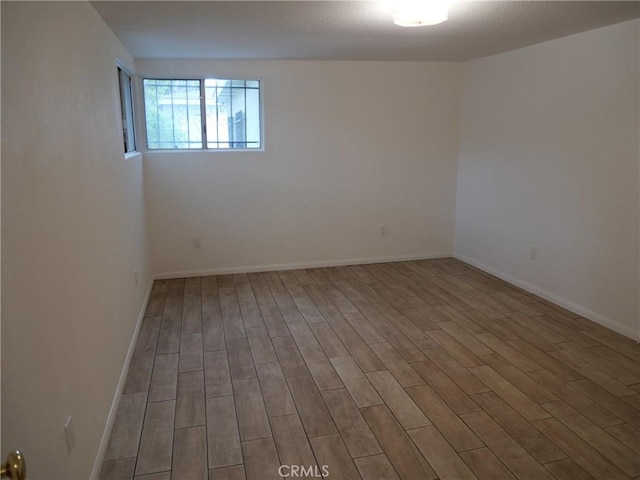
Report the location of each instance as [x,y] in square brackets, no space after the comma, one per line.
[413,370]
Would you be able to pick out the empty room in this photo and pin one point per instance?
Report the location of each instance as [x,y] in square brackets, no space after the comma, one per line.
[320,239]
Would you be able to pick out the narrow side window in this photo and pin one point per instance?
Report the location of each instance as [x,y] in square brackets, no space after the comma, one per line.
[126,109]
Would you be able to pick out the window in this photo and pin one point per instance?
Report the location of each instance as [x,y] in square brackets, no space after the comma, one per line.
[126,109]
[232,113]
[174,113]
[210,113]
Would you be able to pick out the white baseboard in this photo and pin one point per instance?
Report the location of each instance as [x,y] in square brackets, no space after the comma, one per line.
[104,442]
[564,303]
[299,265]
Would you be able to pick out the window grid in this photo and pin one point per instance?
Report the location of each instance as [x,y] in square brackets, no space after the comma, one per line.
[224,100]
[157,114]
[173,115]
[237,129]
[203,113]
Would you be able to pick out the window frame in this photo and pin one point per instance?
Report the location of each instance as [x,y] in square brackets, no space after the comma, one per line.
[130,109]
[201,79]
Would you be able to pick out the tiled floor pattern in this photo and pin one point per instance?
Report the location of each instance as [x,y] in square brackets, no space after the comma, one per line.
[413,370]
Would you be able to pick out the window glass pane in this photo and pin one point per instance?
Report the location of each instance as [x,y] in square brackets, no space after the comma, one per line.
[173,115]
[126,109]
[253,118]
[216,106]
[237,124]
[232,114]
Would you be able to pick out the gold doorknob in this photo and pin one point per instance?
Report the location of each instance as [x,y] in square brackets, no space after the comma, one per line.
[15,468]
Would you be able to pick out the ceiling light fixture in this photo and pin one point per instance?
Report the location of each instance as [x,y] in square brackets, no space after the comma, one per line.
[418,13]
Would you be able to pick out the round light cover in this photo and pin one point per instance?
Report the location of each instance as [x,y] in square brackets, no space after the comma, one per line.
[417,13]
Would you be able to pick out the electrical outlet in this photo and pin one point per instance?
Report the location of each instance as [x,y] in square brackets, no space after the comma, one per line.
[533,253]
[195,241]
[69,435]
[384,230]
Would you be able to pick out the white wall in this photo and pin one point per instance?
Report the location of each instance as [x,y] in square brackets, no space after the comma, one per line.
[549,157]
[73,230]
[349,146]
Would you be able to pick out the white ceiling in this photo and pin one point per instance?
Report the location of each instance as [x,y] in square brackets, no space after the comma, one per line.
[345,30]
